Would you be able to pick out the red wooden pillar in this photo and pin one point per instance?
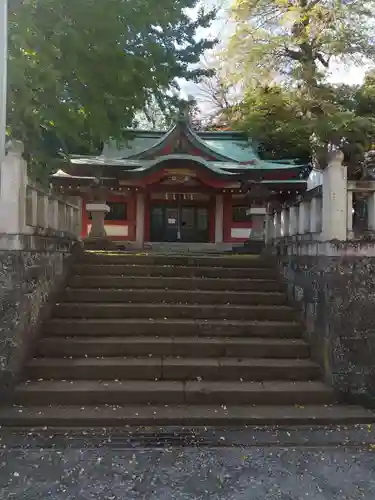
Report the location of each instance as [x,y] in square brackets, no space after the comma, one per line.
[212,218]
[131,215]
[85,220]
[227,218]
[147,221]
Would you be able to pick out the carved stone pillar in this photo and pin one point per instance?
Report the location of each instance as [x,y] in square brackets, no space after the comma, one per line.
[335,187]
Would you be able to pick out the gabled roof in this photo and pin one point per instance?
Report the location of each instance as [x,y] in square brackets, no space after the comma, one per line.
[181,138]
[226,154]
[132,166]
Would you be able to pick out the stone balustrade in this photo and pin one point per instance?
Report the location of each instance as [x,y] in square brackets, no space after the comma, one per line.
[44,210]
[325,246]
[335,210]
[299,219]
[28,209]
[39,240]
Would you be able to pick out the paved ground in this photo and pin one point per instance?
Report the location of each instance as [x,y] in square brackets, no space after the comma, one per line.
[268,464]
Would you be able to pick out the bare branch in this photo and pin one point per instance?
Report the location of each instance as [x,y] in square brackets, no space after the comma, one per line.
[321,59]
[293,54]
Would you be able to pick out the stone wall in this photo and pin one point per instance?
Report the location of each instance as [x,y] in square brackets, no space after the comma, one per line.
[334,286]
[29,280]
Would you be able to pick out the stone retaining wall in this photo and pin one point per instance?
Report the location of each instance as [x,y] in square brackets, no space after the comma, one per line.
[29,280]
[334,286]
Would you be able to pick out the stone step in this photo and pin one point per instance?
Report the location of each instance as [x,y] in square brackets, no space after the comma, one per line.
[173,328]
[198,347]
[175,271]
[157,368]
[181,332]
[171,311]
[173,296]
[175,283]
[87,392]
[182,415]
[229,261]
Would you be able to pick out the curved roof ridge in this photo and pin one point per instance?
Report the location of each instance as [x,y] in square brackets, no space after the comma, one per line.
[157,143]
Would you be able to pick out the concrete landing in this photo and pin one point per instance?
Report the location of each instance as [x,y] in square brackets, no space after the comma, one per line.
[265,464]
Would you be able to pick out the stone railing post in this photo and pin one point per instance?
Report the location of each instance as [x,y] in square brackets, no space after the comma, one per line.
[371,211]
[335,187]
[270,230]
[45,209]
[13,191]
[34,207]
[303,227]
[277,224]
[78,216]
[269,226]
[313,216]
[293,220]
[285,222]
[349,208]
[55,214]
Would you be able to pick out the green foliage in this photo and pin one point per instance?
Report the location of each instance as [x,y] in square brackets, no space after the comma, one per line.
[79,70]
[300,38]
[294,42]
[274,118]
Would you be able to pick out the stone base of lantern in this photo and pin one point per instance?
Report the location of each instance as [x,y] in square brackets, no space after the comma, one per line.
[250,247]
[100,243]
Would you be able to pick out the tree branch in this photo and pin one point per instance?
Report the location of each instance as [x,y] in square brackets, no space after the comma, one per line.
[293,54]
[321,59]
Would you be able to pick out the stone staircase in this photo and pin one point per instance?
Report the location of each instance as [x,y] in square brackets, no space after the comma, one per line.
[174,340]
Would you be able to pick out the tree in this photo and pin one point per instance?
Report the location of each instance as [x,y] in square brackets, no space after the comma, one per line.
[273,117]
[214,92]
[157,115]
[153,117]
[295,42]
[300,38]
[79,70]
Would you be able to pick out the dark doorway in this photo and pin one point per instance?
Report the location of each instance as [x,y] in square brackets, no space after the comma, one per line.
[179,222]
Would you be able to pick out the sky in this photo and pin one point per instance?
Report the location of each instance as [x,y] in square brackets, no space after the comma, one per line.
[350,75]
[221,28]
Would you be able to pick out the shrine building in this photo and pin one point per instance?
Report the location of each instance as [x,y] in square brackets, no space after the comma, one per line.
[177,186]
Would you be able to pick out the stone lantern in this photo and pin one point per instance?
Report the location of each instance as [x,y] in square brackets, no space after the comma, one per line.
[97,207]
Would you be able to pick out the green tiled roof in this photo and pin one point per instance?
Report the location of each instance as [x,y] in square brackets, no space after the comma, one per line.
[233,155]
[232,145]
[132,147]
[240,151]
[137,168]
